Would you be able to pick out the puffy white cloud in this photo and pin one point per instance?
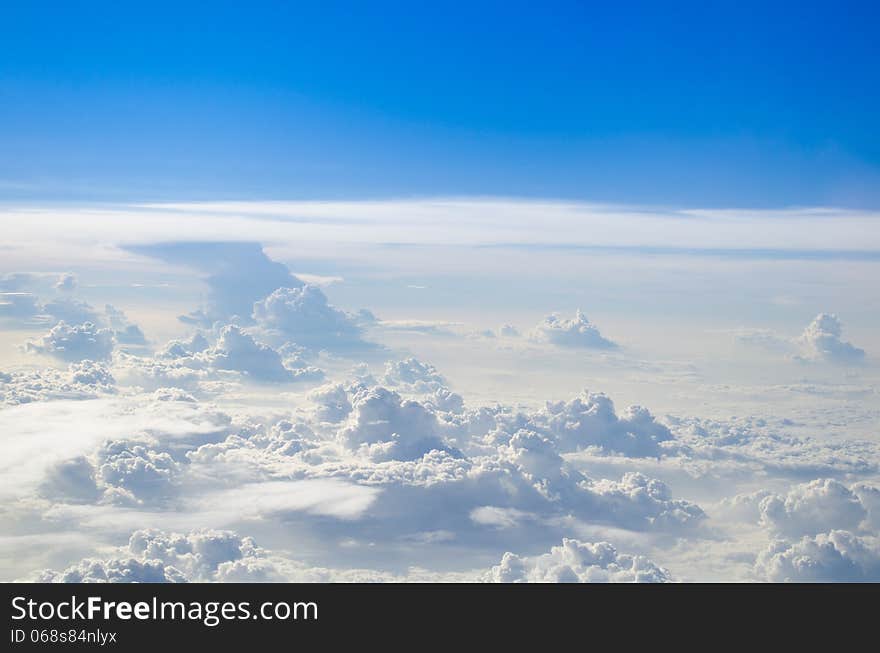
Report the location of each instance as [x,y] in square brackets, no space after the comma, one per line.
[76,342]
[238,351]
[821,340]
[412,375]
[386,427]
[591,421]
[304,316]
[133,473]
[814,507]
[578,562]
[196,363]
[332,403]
[837,556]
[117,570]
[238,274]
[154,556]
[576,332]
[637,501]
[209,555]
[84,380]
[124,472]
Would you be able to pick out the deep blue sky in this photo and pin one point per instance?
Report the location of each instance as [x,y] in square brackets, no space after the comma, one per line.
[726,103]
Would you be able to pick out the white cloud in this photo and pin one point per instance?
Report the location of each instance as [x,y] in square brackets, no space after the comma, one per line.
[21,306]
[84,380]
[837,556]
[238,351]
[576,332]
[196,363]
[66,282]
[387,427]
[591,421]
[321,497]
[153,556]
[126,332]
[412,375]
[814,507]
[821,340]
[75,342]
[72,311]
[123,570]
[578,562]
[303,315]
[237,274]
[211,555]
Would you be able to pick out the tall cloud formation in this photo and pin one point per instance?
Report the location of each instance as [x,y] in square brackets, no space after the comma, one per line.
[576,332]
[578,562]
[238,274]
[821,340]
[67,282]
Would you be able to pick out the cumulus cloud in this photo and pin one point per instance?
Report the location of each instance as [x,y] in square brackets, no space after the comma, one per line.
[576,332]
[133,473]
[75,342]
[126,332]
[821,340]
[578,562]
[66,282]
[238,351]
[198,363]
[154,556]
[837,556]
[117,570]
[591,421]
[304,316]
[175,349]
[814,507]
[84,380]
[210,555]
[237,274]
[71,480]
[412,375]
[385,426]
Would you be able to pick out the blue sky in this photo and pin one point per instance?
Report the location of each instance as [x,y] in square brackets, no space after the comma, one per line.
[733,104]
